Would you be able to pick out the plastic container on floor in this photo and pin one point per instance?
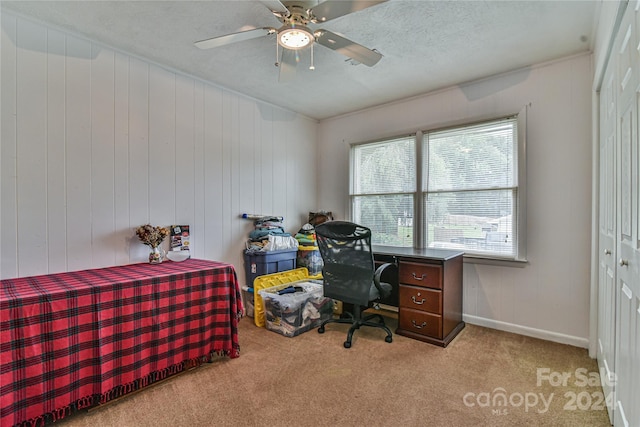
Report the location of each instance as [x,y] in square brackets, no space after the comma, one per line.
[247,299]
[309,256]
[268,281]
[293,308]
[259,263]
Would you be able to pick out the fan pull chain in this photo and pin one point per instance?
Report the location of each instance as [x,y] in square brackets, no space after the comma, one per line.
[312,67]
[277,64]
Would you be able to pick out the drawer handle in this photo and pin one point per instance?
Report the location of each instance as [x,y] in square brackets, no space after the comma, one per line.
[419,278]
[415,325]
[416,302]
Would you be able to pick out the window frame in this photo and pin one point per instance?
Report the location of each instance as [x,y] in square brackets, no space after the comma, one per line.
[419,196]
[352,167]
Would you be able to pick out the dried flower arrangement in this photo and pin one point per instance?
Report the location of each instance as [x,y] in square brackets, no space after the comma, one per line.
[152,236]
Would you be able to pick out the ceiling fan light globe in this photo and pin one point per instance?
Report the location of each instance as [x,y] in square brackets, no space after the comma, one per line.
[295,38]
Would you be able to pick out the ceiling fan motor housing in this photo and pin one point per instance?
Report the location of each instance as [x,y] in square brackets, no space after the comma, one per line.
[295,34]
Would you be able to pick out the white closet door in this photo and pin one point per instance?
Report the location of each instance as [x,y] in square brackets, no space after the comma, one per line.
[619,224]
[627,238]
[607,246]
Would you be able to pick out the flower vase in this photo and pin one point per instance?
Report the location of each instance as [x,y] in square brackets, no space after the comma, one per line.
[155,255]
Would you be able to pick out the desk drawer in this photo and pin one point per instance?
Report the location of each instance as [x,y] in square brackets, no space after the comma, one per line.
[423,299]
[420,322]
[425,275]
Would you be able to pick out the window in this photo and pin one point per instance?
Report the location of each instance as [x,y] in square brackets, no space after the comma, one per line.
[383,186]
[456,188]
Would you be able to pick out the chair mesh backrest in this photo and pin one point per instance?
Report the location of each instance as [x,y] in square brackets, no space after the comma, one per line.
[348,269]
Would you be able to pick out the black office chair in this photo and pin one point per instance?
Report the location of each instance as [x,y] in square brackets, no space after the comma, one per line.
[349,274]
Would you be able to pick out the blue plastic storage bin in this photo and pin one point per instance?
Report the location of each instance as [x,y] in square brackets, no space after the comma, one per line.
[309,256]
[259,263]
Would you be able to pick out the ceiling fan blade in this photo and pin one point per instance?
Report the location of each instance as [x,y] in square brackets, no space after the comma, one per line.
[334,9]
[348,48]
[288,65]
[234,37]
[275,6]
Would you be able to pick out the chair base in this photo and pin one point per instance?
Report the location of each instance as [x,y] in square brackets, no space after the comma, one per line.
[356,322]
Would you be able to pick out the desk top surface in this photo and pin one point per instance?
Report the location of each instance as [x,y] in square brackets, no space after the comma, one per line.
[428,253]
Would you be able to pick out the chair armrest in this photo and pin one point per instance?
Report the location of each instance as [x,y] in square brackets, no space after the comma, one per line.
[378,275]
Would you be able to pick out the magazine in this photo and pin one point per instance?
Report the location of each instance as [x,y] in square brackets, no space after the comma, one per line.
[179,237]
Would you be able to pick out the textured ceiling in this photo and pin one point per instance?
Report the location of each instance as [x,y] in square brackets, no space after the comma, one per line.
[426,45]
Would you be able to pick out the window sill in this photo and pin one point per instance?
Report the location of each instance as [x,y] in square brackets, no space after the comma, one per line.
[472,259]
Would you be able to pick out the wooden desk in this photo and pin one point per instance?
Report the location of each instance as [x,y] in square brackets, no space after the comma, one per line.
[74,340]
[427,289]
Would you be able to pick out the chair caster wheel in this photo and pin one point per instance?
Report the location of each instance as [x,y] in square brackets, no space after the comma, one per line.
[347,344]
[388,338]
[321,330]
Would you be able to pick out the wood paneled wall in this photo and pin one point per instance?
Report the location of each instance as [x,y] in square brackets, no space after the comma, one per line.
[95,142]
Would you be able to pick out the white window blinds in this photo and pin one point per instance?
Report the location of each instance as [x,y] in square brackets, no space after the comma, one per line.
[471,188]
[455,188]
[383,184]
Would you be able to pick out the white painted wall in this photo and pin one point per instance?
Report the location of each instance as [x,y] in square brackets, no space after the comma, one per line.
[549,297]
[95,142]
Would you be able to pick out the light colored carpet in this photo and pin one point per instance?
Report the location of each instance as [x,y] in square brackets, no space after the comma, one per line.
[311,380]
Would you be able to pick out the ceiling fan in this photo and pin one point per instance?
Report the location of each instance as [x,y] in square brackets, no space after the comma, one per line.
[294,34]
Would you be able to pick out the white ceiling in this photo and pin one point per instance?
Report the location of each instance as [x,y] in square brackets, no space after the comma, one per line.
[426,45]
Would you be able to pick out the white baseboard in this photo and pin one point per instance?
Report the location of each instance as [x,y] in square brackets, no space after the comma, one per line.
[527,331]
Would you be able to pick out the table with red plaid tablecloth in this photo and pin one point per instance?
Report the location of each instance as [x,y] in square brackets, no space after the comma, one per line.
[73,340]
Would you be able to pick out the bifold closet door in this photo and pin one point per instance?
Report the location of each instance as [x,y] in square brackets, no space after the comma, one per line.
[607,237]
[609,135]
[628,241]
[627,275]
[618,347]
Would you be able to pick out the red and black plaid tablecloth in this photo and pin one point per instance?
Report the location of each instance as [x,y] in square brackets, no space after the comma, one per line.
[73,340]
